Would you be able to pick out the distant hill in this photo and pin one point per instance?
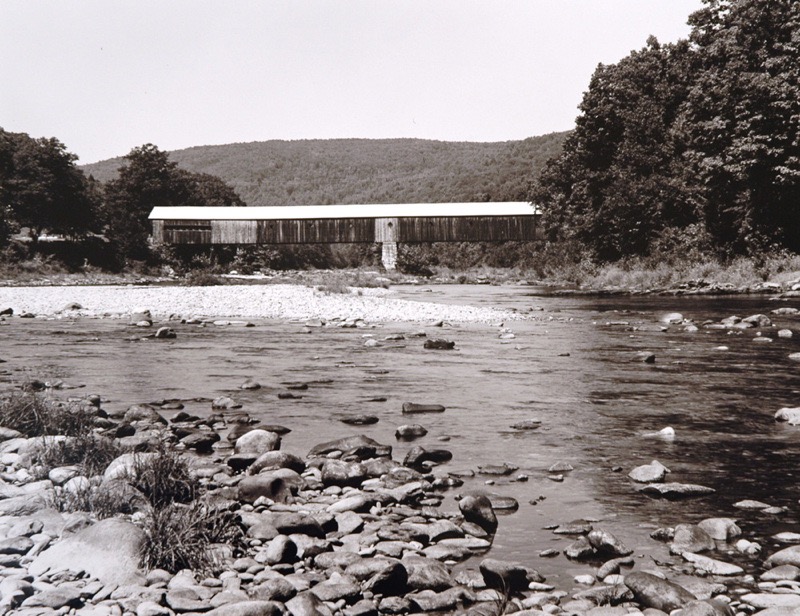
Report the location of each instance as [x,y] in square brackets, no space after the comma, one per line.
[344,171]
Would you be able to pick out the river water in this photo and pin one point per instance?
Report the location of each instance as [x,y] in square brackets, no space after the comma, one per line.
[572,366]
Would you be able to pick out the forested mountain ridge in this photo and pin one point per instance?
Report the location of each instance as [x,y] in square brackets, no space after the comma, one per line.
[332,171]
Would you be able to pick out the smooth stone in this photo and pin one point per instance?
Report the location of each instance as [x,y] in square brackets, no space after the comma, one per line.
[676,490]
[606,544]
[108,550]
[410,431]
[257,442]
[691,538]
[649,473]
[720,529]
[769,600]
[711,565]
[654,592]
[351,443]
[413,407]
[478,510]
[786,556]
[273,460]
[781,572]
[427,574]
[789,415]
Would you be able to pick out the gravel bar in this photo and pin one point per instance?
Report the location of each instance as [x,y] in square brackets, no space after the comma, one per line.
[238,301]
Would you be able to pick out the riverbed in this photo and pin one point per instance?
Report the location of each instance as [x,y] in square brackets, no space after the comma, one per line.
[571,363]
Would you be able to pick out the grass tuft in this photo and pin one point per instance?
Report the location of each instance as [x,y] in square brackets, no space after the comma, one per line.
[182,536]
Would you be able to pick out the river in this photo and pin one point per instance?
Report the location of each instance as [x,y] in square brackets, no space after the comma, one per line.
[572,366]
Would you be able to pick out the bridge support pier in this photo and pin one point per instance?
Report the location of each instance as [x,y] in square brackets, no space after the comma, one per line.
[389,255]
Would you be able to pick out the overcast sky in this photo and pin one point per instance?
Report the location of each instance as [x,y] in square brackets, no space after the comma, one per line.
[104,76]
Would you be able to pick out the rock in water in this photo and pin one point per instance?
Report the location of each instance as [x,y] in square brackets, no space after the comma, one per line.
[478,510]
[108,550]
[649,473]
[413,407]
[676,490]
[439,344]
[651,591]
[789,415]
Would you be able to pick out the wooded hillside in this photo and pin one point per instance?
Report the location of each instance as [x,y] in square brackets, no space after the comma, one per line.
[365,170]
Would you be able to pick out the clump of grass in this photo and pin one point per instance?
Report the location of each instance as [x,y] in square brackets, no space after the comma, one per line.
[106,500]
[90,452]
[164,479]
[182,536]
[34,414]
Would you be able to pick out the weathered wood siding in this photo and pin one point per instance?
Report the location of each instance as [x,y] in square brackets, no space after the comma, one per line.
[321,231]
[234,231]
[348,230]
[467,229]
[182,231]
[386,229]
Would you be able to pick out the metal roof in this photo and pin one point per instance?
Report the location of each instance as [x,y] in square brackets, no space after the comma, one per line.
[365,210]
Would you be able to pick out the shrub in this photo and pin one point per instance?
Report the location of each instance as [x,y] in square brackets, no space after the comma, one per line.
[106,500]
[182,536]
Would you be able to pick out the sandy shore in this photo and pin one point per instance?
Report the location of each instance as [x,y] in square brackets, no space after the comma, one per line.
[240,301]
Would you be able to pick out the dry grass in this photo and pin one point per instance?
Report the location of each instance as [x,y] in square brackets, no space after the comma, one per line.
[182,536]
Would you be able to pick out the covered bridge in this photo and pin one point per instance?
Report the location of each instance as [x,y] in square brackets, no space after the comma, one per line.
[386,224]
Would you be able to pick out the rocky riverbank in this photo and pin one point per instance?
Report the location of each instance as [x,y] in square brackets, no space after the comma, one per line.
[345,527]
[341,529]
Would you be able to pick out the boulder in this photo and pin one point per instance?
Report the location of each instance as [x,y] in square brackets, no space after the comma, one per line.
[711,565]
[720,529]
[789,415]
[410,408]
[410,431]
[427,574]
[649,473]
[652,591]
[506,576]
[478,510]
[606,544]
[277,486]
[676,490]
[439,344]
[341,473]
[691,538]
[786,556]
[273,460]
[363,445]
[108,550]
[257,442]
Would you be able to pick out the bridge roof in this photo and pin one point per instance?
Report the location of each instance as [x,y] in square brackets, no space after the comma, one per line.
[365,210]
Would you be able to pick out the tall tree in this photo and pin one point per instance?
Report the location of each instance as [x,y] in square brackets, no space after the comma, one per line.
[614,186]
[42,187]
[147,180]
[741,121]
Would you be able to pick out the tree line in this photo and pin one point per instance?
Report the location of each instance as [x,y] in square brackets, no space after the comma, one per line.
[42,189]
[691,145]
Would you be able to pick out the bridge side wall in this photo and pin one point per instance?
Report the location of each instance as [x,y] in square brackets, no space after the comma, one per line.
[347,230]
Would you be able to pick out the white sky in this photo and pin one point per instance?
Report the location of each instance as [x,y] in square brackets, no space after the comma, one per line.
[104,76]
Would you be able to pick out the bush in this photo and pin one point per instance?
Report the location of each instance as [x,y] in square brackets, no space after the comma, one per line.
[89,452]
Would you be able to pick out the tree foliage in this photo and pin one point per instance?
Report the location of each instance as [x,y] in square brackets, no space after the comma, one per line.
[701,134]
[41,188]
[150,179]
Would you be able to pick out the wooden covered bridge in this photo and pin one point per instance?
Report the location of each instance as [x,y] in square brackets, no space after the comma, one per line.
[386,224]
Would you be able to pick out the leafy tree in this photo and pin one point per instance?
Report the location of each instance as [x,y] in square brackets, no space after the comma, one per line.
[615,186]
[741,122]
[43,189]
[147,180]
